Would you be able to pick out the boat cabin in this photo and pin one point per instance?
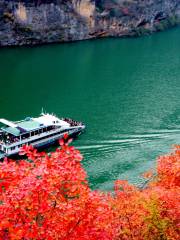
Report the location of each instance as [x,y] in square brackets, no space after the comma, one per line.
[40,131]
[15,134]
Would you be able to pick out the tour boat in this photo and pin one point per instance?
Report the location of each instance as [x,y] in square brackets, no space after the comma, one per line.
[38,132]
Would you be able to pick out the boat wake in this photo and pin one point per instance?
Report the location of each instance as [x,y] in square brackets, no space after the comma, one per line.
[125,156]
[129,142]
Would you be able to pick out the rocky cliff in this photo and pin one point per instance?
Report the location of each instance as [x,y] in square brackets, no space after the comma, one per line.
[45,21]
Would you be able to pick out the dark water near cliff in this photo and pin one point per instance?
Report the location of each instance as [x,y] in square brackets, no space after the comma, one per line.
[127,91]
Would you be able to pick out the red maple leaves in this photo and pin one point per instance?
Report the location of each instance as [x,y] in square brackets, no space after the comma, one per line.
[48,197]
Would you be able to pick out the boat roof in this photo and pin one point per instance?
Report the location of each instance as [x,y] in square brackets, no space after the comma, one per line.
[7,122]
[14,131]
[10,127]
[30,124]
[49,119]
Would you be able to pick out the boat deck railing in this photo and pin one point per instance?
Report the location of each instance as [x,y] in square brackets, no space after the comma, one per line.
[72,122]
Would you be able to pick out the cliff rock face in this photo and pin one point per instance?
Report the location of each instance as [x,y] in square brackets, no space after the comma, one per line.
[44,21]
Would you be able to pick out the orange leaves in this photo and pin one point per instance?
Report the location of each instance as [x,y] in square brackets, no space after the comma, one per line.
[65,140]
[148,174]
[49,198]
[169,170]
[41,198]
[123,186]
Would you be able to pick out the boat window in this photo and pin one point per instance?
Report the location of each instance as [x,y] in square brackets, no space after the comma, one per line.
[27,135]
[65,130]
[48,136]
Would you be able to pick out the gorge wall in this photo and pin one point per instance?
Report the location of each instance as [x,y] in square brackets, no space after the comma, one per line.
[24,22]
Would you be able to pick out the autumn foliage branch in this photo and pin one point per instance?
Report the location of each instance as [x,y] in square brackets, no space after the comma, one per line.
[48,197]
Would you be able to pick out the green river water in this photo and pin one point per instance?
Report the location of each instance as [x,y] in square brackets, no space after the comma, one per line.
[127,92]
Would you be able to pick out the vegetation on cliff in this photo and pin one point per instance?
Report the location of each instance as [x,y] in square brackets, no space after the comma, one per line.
[48,197]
